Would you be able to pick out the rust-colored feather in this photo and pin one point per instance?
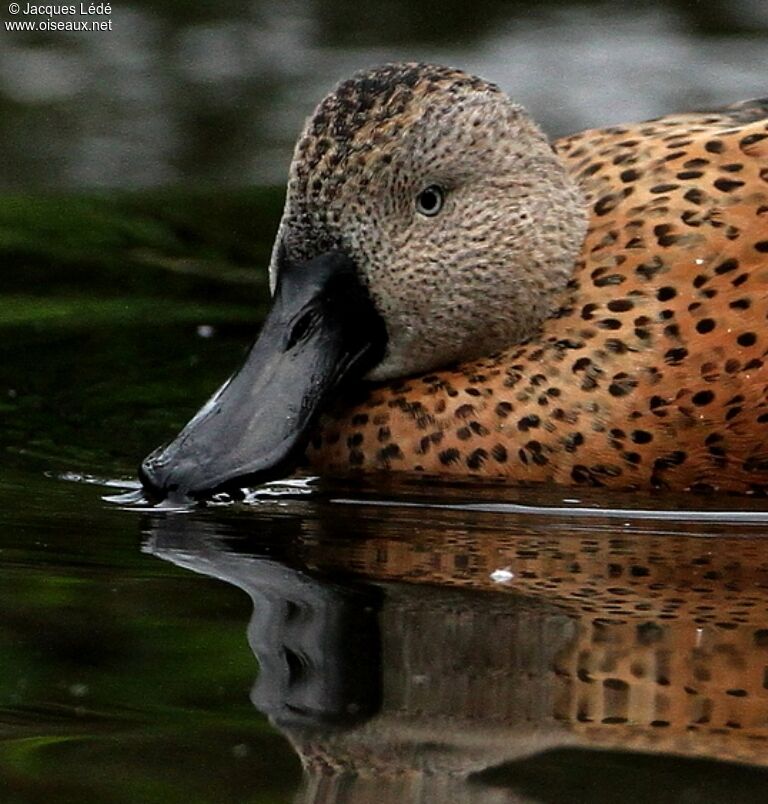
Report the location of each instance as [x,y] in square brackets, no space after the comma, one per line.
[653,373]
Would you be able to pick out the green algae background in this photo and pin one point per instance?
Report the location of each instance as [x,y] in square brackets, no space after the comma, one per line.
[177,246]
[123,678]
[102,299]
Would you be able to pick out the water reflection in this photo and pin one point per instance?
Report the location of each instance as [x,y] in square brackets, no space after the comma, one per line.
[428,656]
[317,642]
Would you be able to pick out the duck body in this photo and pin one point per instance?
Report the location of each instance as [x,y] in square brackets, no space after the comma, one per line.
[591,312]
[652,373]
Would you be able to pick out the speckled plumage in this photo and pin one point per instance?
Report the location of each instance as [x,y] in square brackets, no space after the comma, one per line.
[668,640]
[652,371]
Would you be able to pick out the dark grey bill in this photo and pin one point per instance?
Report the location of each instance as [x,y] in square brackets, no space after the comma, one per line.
[321,331]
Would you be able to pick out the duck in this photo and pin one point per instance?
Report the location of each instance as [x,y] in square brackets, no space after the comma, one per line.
[455,296]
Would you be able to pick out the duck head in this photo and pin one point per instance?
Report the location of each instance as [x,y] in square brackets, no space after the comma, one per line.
[427,221]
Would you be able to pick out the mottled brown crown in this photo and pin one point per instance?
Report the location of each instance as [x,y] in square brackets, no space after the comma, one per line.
[368,105]
[362,118]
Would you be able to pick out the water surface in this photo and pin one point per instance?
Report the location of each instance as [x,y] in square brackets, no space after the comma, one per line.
[402,642]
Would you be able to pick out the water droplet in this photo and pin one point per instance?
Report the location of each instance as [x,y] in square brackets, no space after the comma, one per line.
[503,575]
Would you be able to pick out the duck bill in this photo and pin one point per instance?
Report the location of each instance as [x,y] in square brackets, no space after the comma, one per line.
[322,331]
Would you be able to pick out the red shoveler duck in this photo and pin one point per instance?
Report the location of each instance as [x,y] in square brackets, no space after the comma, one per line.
[589,312]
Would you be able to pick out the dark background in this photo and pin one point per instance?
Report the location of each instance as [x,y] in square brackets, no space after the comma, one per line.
[185,92]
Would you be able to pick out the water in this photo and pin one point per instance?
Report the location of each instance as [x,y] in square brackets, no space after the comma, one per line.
[403,642]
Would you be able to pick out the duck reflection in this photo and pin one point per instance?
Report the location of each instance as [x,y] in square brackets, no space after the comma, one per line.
[317,643]
[409,657]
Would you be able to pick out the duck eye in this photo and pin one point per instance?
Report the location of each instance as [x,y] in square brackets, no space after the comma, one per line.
[430,201]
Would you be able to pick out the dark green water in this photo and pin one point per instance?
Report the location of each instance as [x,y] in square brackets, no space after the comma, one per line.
[124,678]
